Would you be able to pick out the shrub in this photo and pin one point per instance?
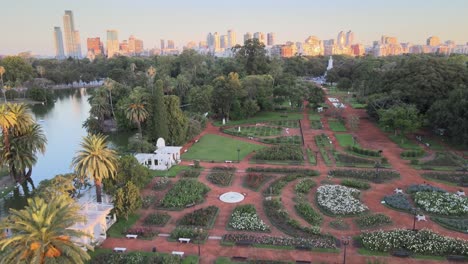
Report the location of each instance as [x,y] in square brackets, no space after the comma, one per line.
[457,224]
[442,203]
[143,232]
[223,168]
[420,242]
[398,201]
[369,175]
[191,174]
[255,180]
[349,159]
[365,152]
[339,224]
[203,217]
[244,217]
[412,153]
[376,220]
[157,219]
[304,186]
[291,140]
[355,184]
[414,162]
[187,232]
[447,159]
[184,192]
[305,172]
[308,213]
[161,183]
[221,178]
[280,152]
[277,185]
[448,177]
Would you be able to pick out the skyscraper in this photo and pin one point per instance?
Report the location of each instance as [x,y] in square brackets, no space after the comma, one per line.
[247,36]
[72,36]
[162,45]
[170,44]
[349,38]
[216,41]
[94,45]
[271,39]
[260,36]
[341,39]
[112,43]
[433,41]
[224,42]
[232,41]
[58,39]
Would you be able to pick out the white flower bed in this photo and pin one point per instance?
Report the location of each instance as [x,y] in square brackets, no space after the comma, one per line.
[442,203]
[248,221]
[340,200]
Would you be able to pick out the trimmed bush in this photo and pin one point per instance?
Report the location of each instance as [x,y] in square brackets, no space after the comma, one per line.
[370,221]
[305,172]
[458,224]
[349,159]
[318,242]
[355,184]
[369,175]
[412,153]
[191,174]
[414,188]
[364,152]
[399,201]
[279,153]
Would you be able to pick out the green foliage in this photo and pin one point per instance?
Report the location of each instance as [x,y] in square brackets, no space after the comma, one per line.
[254,181]
[369,175]
[177,122]
[128,169]
[339,224]
[355,184]
[157,219]
[350,159]
[203,217]
[284,170]
[404,118]
[277,185]
[252,56]
[17,70]
[371,221]
[456,178]
[158,121]
[445,159]
[139,145]
[304,186]
[412,153]
[458,224]
[41,94]
[221,178]
[291,140]
[336,125]
[365,152]
[308,213]
[184,192]
[127,200]
[280,152]
[188,232]
[398,201]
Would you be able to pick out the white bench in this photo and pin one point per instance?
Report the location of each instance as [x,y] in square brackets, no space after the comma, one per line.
[120,249]
[181,240]
[398,190]
[228,161]
[421,218]
[178,253]
[460,193]
[132,236]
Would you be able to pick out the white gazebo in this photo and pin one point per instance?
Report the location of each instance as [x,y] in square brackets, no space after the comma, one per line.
[163,158]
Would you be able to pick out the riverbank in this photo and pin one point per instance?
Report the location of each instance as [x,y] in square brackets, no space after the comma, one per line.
[21,100]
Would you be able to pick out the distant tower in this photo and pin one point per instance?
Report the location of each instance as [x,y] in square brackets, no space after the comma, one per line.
[163,46]
[247,36]
[349,38]
[433,41]
[210,41]
[112,43]
[72,36]
[232,41]
[58,39]
[224,41]
[271,39]
[260,36]
[341,39]
[216,41]
[170,44]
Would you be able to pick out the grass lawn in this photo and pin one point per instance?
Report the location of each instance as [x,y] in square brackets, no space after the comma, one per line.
[336,126]
[263,117]
[403,142]
[218,148]
[117,229]
[172,172]
[346,140]
[314,117]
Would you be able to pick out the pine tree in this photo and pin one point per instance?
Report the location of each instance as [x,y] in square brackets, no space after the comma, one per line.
[176,120]
[158,123]
[127,200]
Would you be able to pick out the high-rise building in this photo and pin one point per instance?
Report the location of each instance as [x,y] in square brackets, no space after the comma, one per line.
[58,39]
[224,41]
[138,47]
[312,46]
[247,36]
[131,45]
[232,40]
[433,41]
[163,46]
[170,44]
[260,36]
[271,39]
[349,38]
[123,47]
[72,36]
[112,43]
[216,41]
[95,46]
[341,39]
[210,41]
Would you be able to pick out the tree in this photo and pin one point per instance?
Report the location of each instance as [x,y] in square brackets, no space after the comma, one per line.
[127,200]
[136,111]
[95,161]
[41,70]
[2,71]
[41,233]
[225,92]
[402,118]
[332,76]
[109,85]
[157,122]
[17,69]
[128,169]
[176,120]
[7,121]
[200,99]
[253,56]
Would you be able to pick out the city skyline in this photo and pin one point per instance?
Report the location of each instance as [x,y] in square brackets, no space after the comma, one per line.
[152,21]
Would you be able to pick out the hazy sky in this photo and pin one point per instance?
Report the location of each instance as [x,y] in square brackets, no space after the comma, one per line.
[27,25]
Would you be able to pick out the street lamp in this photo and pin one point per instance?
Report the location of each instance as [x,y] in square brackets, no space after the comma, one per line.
[238,154]
[199,232]
[415,212]
[377,166]
[345,241]
[316,157]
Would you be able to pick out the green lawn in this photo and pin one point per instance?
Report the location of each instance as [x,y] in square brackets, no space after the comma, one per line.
[314,117]
[263,117]
[346,140]
[336,126]
[404,142]
[172,172]
[218,148]
[117,229]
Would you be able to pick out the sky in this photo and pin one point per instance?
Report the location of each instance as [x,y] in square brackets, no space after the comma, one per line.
[27,25]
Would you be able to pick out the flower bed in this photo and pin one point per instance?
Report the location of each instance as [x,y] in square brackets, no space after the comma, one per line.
[277,185]
[350,159]
[147,201]
[305,172]
[280,218]
[134,258]
[446,177]
[223,168]
[445,159]
[339,224]
[285,123]
[304,186]
[308,213]
[442,203]
[457,224]
[244,217]
[414,188]
[203,217]
[279,153]
[339,200]
[161,183]
[184,192]
[365,152]
[398,201]
[371,221]
[319,242]
[188,232]
[191,173]
[420,242]
[369,175]
[221,178]
[254,181]
[292,140]
[157,219]
[355,184]
[142,232]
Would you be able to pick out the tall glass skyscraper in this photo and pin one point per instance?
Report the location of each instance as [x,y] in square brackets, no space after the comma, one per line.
[72,36]
[58,39]
[112,43]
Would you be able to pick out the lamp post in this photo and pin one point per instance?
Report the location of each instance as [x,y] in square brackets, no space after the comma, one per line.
[316,157]
[238,154]
[199,232]
[345,241]
[377,166]
[415,214]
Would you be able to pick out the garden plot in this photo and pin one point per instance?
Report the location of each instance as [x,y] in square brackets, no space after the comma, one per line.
[340,200]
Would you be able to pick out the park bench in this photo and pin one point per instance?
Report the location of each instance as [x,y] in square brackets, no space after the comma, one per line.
[401,253]
[190,205]
[120,249]
[303,261]
[303,247]
[239,258]
[178,253]
[182,240]
[228,161]
[132,236]
[457,258]
[244,243]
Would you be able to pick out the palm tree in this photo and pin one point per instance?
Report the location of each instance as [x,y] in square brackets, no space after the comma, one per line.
[109,84]
[2,71]
[41,233]
[95,161]
[136,110]
[7,121]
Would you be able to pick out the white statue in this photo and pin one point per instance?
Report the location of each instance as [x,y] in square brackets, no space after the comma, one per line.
[330,64]
[224,121]
[239,130]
